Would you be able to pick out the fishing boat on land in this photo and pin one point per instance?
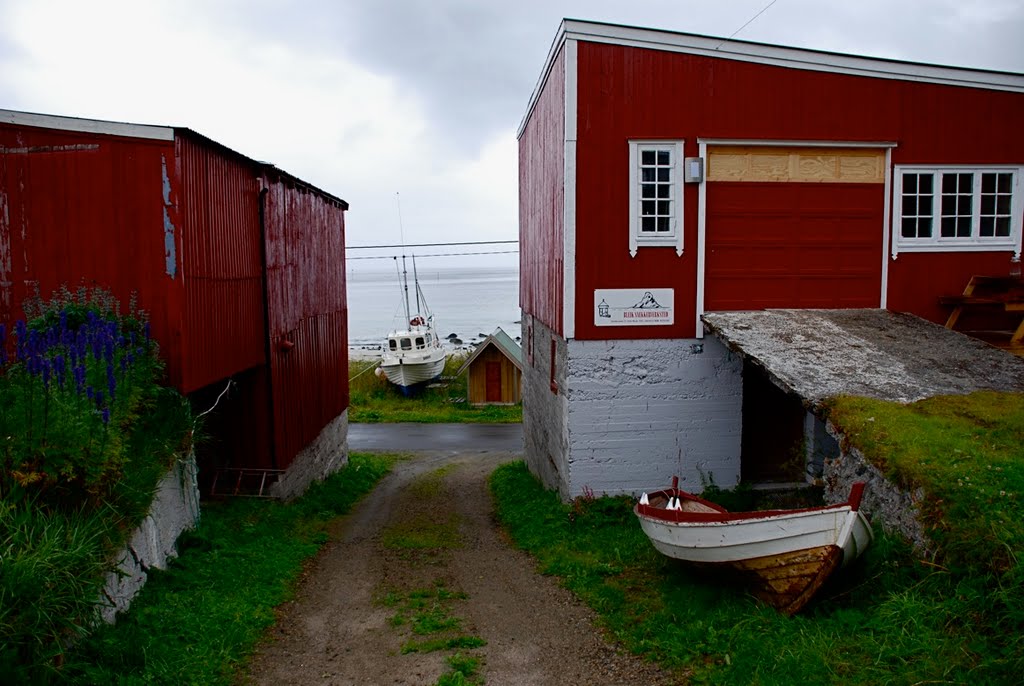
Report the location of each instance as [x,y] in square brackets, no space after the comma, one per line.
[786,554]
[412,355]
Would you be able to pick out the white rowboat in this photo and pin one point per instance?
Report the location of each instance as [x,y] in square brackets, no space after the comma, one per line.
[787,553]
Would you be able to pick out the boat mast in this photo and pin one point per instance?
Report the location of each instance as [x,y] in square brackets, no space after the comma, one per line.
[416,281]
[405,273]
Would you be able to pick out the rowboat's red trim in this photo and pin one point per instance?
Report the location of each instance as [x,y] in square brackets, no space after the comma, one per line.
[723,515]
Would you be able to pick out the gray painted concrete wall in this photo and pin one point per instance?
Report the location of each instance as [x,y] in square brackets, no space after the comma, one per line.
[545,412]
[326,454]
[642,411]
[175,508]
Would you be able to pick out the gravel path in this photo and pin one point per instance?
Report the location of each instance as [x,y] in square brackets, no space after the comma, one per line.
[342,629]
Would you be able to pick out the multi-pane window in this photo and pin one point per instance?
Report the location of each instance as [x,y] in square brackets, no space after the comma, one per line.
[656,193]
[996,204]
[656,181]
[918,201]
[957,205]
[955,208]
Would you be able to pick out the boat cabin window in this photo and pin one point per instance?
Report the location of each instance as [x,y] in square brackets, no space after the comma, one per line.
[406,344]
[429,339]
[393,344]
[419,343]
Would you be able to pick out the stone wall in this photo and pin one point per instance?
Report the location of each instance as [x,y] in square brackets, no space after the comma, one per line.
[175,508]
[642,411]
[897,510]
[545,411]
[326,454]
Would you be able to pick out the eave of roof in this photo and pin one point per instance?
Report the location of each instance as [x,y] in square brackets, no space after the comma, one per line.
[151,132]
[765,53]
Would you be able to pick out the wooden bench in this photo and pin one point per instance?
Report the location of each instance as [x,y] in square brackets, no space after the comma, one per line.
[996,295]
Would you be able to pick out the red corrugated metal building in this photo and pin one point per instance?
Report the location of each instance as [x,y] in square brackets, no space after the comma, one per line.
[239,265]
[713,174]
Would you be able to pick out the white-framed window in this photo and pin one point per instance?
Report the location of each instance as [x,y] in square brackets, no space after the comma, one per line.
[655,194]
[947,208]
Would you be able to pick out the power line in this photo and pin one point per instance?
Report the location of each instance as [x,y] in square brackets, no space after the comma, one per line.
[440,254]
[749,22]
[426,245]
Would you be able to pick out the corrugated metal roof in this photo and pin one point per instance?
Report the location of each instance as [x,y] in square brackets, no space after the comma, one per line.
[503,342]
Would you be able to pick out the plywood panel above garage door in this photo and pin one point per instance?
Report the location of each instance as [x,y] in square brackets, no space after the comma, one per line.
[797,164]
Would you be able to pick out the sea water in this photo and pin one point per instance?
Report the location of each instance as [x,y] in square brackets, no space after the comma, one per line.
[469,302]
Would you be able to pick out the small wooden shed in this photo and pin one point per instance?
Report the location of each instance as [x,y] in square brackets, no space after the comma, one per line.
[495,371]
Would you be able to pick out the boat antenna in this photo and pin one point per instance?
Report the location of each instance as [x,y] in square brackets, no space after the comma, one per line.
[416,281]
[404,281]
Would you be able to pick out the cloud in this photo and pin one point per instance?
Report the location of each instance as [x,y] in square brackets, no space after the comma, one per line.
[366,98]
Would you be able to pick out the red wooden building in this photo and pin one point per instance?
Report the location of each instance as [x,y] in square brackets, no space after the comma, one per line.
[665,175]
[239,264]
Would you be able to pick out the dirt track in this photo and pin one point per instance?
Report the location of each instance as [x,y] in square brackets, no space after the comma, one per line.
[342,627]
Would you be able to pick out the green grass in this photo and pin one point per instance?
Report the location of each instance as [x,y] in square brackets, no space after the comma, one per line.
[967,453]
[889,618]
[374,400]
[197,622]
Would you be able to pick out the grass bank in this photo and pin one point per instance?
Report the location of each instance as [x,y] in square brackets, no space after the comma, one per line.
[373,399]
[890,618]
[86,433]
[196,622]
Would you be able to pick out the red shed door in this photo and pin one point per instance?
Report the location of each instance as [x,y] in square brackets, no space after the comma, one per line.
[492,381]
[780,235]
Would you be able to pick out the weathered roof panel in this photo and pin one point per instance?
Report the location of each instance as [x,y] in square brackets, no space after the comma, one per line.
[819,354]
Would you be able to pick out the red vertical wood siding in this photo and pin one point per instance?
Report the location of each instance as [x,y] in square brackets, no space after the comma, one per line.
[542,203]
[308,313]
[223,328]
[178,224]
[626,92]
[85,209]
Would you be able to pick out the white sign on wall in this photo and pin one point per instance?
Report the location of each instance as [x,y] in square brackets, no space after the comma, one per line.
[633,306]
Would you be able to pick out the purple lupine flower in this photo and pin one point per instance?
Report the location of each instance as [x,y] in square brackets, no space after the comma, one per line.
[108,350]
[98,397]
[111,381]
[90,393]
[21,342]
[60,366]
[45,363]
[106,415]
[3,345]
[145,330]
[79,379]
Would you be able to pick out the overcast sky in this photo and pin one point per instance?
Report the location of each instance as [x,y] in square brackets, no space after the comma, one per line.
[369,98]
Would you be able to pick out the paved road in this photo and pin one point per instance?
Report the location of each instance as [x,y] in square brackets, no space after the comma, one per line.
[455,437]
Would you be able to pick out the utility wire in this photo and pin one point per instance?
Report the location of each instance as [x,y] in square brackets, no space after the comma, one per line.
[749,22]
[426,245]
[440,254]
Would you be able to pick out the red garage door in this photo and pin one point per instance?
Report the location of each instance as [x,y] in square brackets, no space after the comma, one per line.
[790,240]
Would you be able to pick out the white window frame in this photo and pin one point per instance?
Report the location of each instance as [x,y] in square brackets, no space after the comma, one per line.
[973,243]
[674,236]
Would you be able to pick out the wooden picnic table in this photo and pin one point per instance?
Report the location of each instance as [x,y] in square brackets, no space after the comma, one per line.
[992,294]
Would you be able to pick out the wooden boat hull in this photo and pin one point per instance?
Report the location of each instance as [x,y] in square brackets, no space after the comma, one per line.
[785,554]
